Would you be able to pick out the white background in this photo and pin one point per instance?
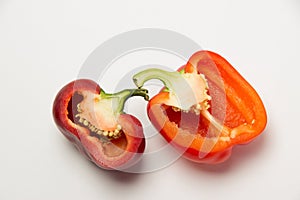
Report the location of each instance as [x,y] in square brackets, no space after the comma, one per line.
[43,45]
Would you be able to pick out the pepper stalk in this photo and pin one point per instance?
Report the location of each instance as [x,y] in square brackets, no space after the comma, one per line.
[186,89]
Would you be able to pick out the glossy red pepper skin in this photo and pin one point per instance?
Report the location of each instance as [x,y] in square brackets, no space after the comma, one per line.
[244,111]
[64,109]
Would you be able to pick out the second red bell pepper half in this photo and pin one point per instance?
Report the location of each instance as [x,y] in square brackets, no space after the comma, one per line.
[206,108]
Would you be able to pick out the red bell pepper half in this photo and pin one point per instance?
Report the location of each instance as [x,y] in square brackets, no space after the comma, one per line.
[95,122]
[205,109]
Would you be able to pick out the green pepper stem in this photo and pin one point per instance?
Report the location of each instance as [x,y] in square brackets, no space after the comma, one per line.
[118,99]
[175,82]
[167,78]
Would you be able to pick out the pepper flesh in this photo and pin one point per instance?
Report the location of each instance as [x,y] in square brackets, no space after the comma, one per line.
[236,114]
[72,103]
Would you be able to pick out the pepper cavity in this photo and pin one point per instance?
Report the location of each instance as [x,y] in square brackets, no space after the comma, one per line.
[187,92]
